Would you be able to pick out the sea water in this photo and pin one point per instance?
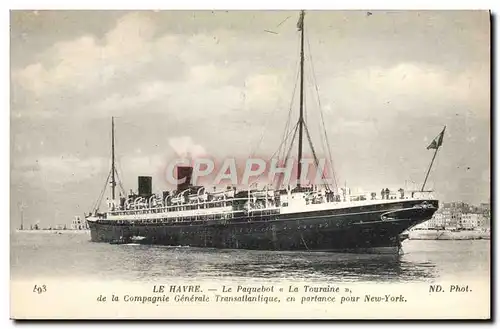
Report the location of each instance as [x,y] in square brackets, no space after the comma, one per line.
[71,255]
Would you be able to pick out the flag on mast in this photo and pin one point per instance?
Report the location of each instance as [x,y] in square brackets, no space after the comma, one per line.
[437,142]
[300,23]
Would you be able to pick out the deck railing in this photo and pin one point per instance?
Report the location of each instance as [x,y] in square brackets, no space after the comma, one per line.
[254,205]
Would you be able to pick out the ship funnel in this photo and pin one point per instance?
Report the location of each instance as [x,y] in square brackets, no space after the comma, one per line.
[187,173]
[145,186]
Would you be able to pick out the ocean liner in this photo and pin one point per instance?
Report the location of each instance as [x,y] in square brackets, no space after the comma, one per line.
[307,218]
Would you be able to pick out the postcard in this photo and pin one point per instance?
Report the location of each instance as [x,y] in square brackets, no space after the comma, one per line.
[231,164]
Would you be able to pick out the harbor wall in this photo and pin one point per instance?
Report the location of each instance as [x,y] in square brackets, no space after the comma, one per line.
[448,235]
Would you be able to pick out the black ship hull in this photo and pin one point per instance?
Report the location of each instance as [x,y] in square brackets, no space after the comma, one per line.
[251,219]
[372,228]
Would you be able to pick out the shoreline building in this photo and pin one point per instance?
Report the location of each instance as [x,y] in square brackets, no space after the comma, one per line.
[459,216]
[79,224]
[470,221]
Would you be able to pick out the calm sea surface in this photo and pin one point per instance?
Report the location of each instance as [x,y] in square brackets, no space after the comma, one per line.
[72,255]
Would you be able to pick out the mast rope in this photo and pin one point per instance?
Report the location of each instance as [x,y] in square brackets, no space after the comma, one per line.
[120,182]
[314,154]
[289,149]
[320,127]
[287,124]
[288,121]
[118,169]
[118,165]
[294,130]
[291,144]
[283,141]
[99,200]
[321,113]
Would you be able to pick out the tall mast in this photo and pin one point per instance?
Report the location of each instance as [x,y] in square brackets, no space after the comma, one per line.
[429,170]
[300,26]
[113,183]
[21,208]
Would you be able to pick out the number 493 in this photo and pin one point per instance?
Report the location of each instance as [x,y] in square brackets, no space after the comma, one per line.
[39,289]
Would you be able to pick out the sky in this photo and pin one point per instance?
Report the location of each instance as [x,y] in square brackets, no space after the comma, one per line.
[217,83]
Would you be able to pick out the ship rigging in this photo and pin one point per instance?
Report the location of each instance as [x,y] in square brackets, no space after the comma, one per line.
[302,218]
[295,133]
